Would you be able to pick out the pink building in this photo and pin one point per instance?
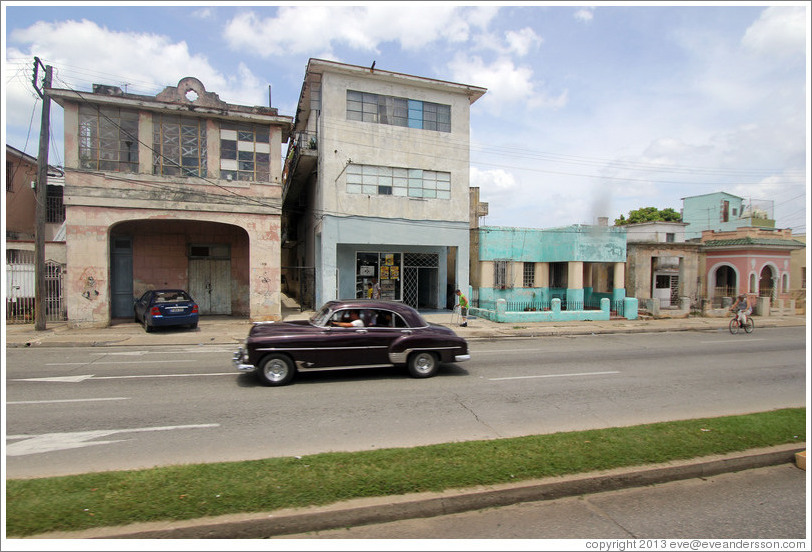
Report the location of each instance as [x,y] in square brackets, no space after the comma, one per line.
[751,260]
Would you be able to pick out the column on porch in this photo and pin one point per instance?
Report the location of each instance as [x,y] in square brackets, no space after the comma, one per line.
[619,285]
[575,285]
[588,286]
[543,279]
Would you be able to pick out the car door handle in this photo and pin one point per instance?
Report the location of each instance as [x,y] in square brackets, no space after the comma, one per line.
[361,331]
[407,332]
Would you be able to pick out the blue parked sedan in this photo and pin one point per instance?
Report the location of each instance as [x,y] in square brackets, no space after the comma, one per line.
[166,307]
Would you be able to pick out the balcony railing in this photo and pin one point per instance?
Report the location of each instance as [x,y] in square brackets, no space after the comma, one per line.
[302,141]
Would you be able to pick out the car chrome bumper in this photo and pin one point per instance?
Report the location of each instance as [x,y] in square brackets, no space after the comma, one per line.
[241,366]
[462,358]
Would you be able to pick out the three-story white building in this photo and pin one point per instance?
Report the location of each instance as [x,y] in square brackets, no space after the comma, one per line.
[376,185]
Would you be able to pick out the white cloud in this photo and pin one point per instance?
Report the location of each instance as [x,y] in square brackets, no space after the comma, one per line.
[146,62]
[303,29]
[521,42]
[203,13]
[495,181]
[779,31]
[498,188]
[507,84]
[585,14]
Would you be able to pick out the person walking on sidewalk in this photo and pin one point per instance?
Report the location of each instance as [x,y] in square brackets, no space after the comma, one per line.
[463,303]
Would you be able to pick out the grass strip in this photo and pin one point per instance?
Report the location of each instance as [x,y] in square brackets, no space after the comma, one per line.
[35,506]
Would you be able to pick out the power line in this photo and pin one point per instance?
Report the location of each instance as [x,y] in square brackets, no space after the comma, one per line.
[338,125]
[791,176]
[252,199]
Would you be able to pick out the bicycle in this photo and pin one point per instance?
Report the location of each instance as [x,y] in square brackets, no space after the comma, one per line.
[734,325]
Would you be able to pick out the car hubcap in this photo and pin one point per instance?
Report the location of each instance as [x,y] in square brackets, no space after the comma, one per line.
[424,364]
[276,370]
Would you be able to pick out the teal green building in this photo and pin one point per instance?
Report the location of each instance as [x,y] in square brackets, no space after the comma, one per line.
[570,273]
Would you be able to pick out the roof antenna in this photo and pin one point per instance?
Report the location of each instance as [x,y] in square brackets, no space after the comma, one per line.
[372,68]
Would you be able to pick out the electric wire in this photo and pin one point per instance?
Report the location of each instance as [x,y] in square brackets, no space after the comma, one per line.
[432,139]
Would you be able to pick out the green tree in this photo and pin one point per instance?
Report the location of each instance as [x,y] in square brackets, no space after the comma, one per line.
[649,214]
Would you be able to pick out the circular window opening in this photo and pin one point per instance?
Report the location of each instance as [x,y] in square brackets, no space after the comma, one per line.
[191,95]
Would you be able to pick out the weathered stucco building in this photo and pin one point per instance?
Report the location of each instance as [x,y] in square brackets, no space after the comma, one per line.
[376,184]
[177,190]
[20,209]
[662,269]
[530,270]
[753,261]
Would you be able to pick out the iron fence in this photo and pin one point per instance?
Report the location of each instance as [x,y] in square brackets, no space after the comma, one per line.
[20,289]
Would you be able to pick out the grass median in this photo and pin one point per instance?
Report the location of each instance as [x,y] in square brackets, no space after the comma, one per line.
[36,506]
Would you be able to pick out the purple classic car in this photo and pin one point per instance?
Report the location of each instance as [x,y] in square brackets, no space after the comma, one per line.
[349,334]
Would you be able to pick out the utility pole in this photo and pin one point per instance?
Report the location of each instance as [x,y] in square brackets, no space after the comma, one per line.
[41,195]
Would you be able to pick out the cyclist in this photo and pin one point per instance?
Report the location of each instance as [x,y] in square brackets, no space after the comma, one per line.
[742,309]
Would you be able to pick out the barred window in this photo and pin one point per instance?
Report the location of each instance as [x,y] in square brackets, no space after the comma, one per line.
[179,146]
[245,152]
[108,139]
[391,110]
[397,181]
[9,176]
[529,275]
[54,206]
[500,274]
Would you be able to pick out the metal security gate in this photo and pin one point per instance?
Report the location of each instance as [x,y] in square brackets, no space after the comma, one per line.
[20,286]
[420,279]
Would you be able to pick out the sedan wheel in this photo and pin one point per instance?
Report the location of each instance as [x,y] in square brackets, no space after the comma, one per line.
[423,365]
[275,370]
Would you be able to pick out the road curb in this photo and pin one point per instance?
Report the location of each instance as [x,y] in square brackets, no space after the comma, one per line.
[227,334]
[395,508]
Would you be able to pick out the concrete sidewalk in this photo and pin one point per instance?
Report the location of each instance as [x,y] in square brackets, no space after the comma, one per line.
[223,330]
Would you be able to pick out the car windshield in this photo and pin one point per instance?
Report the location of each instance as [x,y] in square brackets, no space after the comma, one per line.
[321,317]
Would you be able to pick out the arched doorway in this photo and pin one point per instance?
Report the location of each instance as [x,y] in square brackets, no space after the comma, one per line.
[766,283]
[207,259]
[725,284]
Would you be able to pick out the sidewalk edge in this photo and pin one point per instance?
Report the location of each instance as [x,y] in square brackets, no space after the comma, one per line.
[396,508]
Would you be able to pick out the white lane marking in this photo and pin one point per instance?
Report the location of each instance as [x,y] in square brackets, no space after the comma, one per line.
[99,362]
[70,400]
[556,375]
[196,351]
[728,340]
[165,376]
[50,442]
[79,379]
[63,379]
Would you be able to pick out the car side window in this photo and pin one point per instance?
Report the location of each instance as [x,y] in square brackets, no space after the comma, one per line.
[381,319]
[400,322]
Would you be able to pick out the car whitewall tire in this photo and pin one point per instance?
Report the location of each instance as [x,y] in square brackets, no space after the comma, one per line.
[423,364]
[275,370]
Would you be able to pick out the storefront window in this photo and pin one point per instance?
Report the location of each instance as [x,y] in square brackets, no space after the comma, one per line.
[383,267]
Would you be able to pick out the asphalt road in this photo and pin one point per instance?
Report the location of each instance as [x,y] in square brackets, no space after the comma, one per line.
[76,410]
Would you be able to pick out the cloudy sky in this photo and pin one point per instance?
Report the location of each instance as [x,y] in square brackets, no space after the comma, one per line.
[590,111]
